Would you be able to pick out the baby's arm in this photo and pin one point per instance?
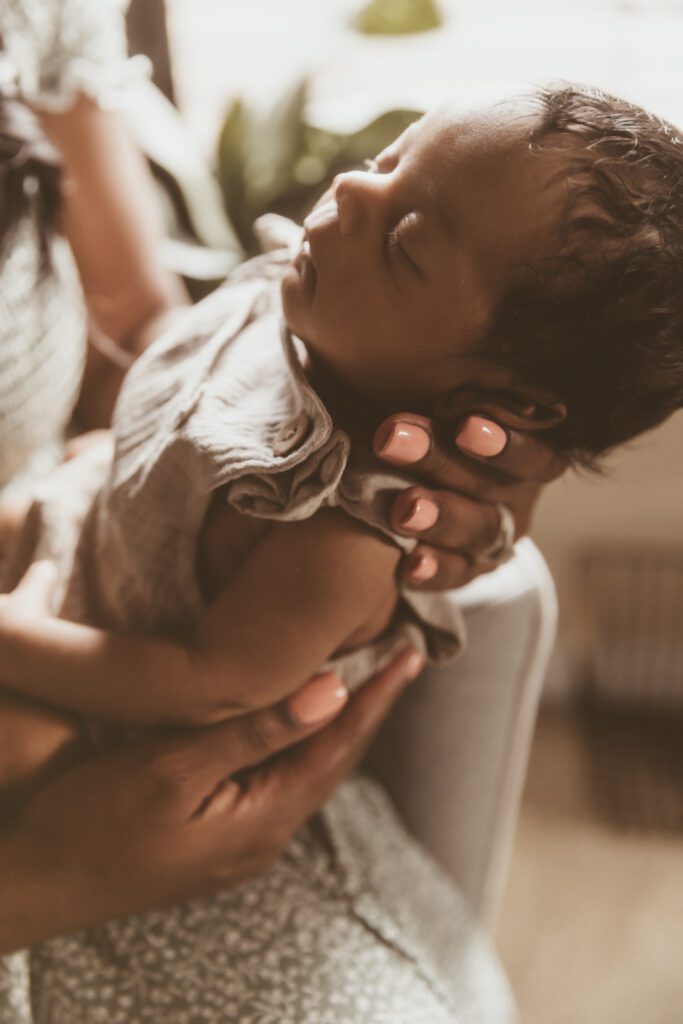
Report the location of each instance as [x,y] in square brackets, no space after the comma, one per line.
[305,590]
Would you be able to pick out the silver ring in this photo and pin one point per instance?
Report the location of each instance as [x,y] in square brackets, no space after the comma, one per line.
[503,546]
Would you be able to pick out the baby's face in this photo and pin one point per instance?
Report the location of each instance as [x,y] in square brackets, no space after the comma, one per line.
[403,264]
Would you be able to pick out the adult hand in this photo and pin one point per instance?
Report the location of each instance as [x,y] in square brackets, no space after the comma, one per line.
[175,817]
[470,469]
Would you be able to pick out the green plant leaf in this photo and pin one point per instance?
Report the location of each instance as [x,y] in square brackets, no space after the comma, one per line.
[398,17]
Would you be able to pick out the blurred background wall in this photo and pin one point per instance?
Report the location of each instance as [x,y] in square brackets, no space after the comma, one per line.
[639,503]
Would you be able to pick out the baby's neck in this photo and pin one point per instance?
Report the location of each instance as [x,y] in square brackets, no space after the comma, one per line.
[350,411]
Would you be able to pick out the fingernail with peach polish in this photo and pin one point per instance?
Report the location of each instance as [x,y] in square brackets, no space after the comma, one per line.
[482,437]
[424,568]
[405,444]
[422,515]
[414,665]
[319,699]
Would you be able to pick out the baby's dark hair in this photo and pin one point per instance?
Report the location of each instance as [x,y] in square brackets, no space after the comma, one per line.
[600,324]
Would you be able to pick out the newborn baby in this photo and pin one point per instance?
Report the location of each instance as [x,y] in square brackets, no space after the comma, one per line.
[527,255]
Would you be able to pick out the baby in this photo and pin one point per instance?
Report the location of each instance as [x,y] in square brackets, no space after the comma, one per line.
[529,254]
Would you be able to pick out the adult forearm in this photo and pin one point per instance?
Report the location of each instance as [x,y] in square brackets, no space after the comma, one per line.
[107,364]
[34,903]
[112,220]
[44,894]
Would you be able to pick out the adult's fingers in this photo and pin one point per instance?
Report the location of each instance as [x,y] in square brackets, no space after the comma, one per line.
[446,519]
[453,521]
[296,785]
[453,550]
[429,568]
[455,532]
[192,765]
[526,455]
[476,455]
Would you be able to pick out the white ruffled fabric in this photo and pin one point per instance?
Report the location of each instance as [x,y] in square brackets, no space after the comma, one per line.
[60,48]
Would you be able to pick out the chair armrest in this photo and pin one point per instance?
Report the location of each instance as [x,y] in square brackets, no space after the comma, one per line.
[453,755]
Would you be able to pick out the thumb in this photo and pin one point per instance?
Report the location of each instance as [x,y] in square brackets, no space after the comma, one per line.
[207,757]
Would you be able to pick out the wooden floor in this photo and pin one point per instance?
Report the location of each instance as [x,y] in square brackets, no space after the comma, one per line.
[592,928]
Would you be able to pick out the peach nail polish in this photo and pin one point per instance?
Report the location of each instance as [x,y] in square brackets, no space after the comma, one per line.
[415,664]
[425,568]
[422,515]
[482,437]
[406,443]
[319,699]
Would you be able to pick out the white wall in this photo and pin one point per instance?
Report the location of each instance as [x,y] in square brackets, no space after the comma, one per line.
[253,47]
[639,501]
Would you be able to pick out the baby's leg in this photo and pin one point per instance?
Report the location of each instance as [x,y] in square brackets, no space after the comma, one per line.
[36,743]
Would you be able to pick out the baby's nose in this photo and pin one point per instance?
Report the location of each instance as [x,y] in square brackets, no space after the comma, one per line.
[354,193]
[324,213]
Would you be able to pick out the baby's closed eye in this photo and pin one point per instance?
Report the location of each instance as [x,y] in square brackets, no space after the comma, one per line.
[402,242]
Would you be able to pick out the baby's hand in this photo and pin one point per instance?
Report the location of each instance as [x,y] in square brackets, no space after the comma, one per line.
[32,596]
[84,442]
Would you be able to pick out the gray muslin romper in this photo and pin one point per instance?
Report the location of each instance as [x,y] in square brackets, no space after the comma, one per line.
[354,923]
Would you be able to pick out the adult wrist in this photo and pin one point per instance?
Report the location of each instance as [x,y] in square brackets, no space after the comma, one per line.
[44,891]
[152,326]
[32,899]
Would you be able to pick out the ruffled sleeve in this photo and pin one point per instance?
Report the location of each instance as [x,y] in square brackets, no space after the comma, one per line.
[59,48]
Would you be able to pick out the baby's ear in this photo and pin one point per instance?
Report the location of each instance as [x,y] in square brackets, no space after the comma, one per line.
[540,415]
[529,409]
